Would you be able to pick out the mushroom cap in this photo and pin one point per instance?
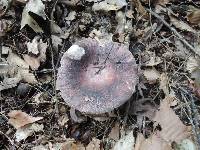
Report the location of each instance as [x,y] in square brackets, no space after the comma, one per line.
[103,79]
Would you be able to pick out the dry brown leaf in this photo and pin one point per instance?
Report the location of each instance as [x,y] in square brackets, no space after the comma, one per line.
[162,2]
[5,50]
[69,144]
[19,119]
[108,5]
[125,143]
[102,37]
[152,143]
[33,62]
[192,64]
[186,144]
[180,24]
[151,75]
[164,83]
[22,68]
[115,132]
[172,127]
[143,107]
[63,120]
[142,11]
[37,7]
[38,48]
[56,41]
[70,3]
[8,83]
[33,46]
[40,147]
[93,145]
[139,140]
[194,17]
[182,50]
[23,132]
[153,60]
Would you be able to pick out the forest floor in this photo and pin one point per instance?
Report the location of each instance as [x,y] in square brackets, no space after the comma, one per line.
[162,35]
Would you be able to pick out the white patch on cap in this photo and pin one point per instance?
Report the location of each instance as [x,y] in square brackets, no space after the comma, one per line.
[75,52]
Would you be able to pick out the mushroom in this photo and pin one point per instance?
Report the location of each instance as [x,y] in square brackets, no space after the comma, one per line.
[95,79]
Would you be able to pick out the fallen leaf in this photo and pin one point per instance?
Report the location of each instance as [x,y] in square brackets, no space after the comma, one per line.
[5,68]
[196,76]
[38,48]
[71,16]
[192,64]
[101,36]
[56,41]
[194,16]
[151,75]
[143,107]
[33,62]
[139,140]
[125,143]
[22,68]
[37,7]
[154,142]
[108,5]
[115,132]
[40,147]
[162,2]
[172,128]
[5,26]
[19,119]
[186,144]
[69,144]
[4,4]
[8,83]
[71,2]
[23,132]
[164,83]
[33,46]
[5,50]
[182,50]
[62,121]
[153,60]
[180,24]
[140,9]
[93,145]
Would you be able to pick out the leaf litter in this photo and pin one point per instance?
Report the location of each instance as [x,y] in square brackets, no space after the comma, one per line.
[35,34]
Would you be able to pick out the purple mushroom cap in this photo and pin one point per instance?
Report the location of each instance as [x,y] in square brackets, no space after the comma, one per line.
[103,79]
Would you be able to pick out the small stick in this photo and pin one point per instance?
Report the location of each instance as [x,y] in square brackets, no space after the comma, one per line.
[192,49]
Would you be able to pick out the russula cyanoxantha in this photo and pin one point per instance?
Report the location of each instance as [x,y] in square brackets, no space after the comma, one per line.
[96,79]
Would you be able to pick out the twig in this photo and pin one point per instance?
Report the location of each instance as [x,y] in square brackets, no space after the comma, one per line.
[11,142]
[54,76]
[193,113]
[192,49]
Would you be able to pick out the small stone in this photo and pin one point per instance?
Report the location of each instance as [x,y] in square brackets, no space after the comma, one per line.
[75,52]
